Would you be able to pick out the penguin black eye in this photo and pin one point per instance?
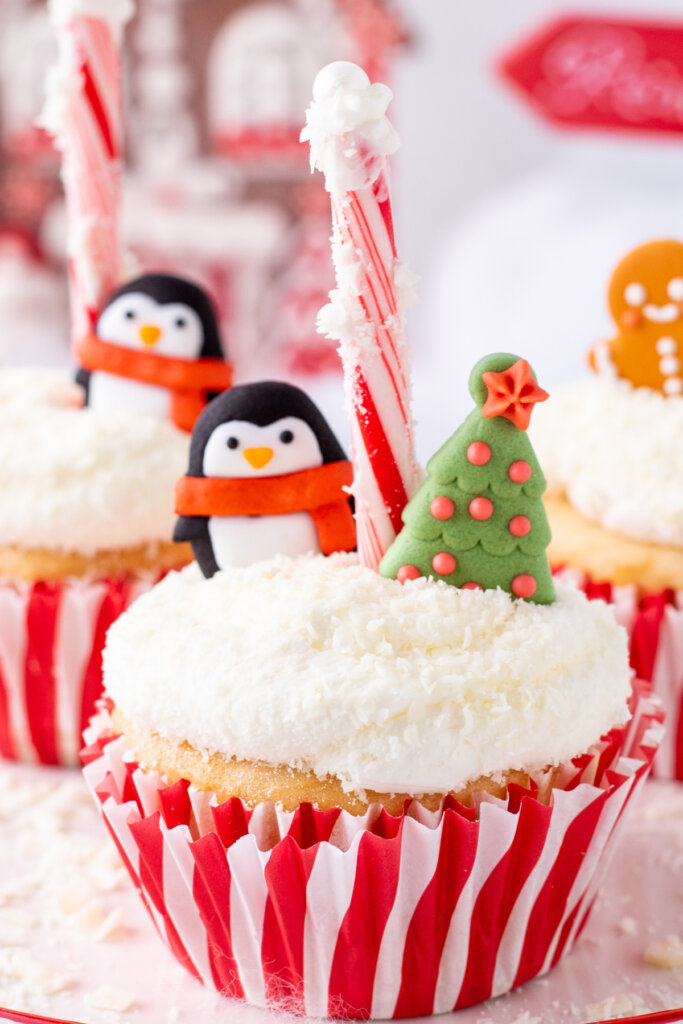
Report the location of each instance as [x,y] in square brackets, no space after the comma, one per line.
[232,442]
[129,314]
[181,321]
[286,436]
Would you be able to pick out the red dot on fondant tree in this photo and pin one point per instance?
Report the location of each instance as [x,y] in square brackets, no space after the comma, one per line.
[442,507]
[444,563]
[481,508]
[524,585]
[519,526]
[478,453]
[407,572]
[519,472]
[471,586]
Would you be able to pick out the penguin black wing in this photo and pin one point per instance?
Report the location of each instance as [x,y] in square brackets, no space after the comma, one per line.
[189,528]
[196,530]
[83,378]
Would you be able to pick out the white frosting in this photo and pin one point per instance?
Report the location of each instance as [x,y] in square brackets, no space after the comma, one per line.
[350,135]
[116,13]
[616,452]
[324,665]
[63,84]
[74,480]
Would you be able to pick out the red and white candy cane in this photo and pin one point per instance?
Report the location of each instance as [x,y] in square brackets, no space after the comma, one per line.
[350,142]
[84,112]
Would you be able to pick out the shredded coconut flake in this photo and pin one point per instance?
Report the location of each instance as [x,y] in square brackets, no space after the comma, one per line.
[580,437]
[614,1007]
[324,665]
[106,997]
[20,965]
[77,480]
[667,953]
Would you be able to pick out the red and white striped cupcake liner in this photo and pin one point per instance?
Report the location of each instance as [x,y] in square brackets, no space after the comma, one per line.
[51,640]
[328,914]
[654,623]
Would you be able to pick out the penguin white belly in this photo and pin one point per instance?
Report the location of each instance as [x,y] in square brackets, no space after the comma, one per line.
[107,392]
[241,540]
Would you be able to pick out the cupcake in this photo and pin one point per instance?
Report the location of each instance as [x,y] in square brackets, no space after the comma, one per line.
[87,506]
[614,501]
[353,793]
[87,519]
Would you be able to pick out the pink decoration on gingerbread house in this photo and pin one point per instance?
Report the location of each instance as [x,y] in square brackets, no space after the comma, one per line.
[264,57]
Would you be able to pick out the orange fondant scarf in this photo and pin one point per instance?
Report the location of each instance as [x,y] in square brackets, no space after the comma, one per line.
[188,380]
[317,491]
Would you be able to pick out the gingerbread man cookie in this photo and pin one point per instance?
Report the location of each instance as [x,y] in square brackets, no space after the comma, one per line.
[646,302]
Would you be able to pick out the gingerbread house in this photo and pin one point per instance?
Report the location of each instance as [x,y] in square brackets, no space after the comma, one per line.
[217,183]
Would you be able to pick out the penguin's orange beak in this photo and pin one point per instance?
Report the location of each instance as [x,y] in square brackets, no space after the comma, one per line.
[258,457]
[149,334]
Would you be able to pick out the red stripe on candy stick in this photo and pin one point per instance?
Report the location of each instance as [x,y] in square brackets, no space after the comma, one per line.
[352,975]
[92,96]
[370,245]
[387,216]
[397,391]
[282,944]
[39,676]
[115,601]
[377,446]
[150,843]
[551,903]
[376,319]
[376,551]
[104,59]
[367,241]
[211,894]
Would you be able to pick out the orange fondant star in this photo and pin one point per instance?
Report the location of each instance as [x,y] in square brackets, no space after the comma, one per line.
[512,394]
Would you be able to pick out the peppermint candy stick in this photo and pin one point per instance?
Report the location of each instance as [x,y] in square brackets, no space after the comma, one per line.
[83,112]
[351,139]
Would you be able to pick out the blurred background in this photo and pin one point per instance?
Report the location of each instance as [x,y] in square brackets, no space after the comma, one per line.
[512,224]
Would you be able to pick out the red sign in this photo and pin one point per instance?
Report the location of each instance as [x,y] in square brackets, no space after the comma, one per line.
[591,72]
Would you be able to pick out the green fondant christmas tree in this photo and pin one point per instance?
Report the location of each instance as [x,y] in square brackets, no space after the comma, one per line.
[478,519]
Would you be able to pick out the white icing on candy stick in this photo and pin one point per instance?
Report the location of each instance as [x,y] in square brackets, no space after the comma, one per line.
[351,139]
[83,112]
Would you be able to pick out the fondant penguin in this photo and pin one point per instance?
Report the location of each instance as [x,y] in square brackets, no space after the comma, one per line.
[266,476]
[155,350]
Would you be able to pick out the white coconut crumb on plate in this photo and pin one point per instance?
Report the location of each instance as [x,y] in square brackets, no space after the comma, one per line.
[627,926]
[107,997]
[666,953]
[19,965]
[17,917]
[614,1007]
